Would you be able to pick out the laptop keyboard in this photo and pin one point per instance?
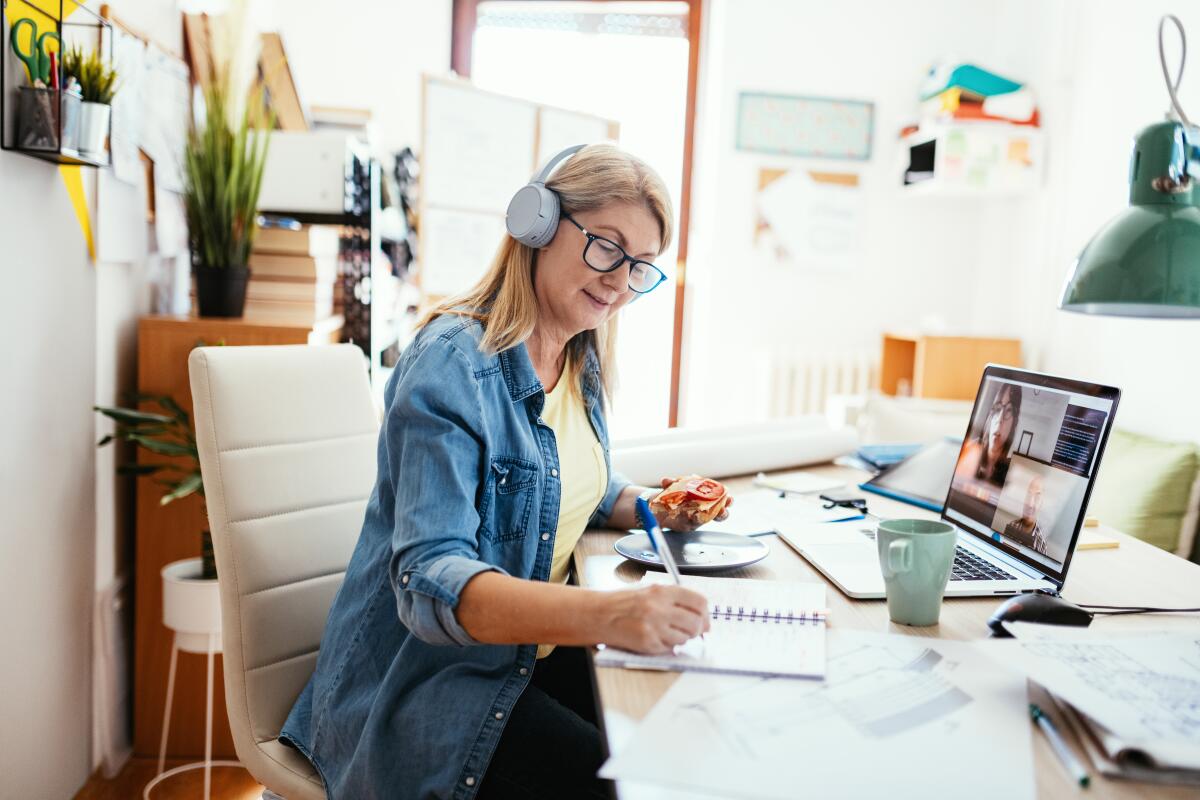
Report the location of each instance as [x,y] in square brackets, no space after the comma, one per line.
[970,567]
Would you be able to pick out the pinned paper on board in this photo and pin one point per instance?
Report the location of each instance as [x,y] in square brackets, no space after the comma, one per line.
[128,107]
[809,217]
[164,132]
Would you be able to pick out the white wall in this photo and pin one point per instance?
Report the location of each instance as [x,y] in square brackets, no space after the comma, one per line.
[916,259]
[1116,89]
[369,54]
[47,475]
[981,266]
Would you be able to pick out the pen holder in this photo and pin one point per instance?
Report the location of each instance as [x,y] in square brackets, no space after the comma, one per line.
[37,123]
[71,109]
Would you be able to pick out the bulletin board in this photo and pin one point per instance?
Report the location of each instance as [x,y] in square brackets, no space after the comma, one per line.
[807,127]
[478,148]
[147,141]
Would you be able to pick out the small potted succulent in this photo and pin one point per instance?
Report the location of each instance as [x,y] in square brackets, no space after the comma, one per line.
[191,602]
[98,84]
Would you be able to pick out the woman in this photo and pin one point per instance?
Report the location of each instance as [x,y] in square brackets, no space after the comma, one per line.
[985,456]
[438,675]
[996,437]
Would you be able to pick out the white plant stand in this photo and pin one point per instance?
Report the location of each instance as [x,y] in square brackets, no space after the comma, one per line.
[192,609]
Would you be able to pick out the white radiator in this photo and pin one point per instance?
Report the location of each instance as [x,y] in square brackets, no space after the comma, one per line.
[803,382]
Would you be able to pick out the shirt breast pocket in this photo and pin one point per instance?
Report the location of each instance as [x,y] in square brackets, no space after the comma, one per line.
[508,499]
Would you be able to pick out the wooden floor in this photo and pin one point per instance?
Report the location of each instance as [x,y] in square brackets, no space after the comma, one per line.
[228,783]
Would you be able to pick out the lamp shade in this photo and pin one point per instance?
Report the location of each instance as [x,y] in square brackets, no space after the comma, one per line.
[1146,261]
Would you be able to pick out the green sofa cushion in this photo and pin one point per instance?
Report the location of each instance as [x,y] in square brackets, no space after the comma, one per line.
[1144,486]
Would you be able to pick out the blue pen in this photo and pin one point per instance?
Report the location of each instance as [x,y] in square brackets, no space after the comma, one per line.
[657,542]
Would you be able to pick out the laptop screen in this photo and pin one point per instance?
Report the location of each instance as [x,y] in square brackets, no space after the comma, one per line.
[1028,462]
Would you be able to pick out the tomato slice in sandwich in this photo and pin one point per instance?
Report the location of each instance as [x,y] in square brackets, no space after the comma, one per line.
[704,489]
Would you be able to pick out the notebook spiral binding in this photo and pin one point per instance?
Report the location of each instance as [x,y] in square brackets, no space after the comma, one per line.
[789,617]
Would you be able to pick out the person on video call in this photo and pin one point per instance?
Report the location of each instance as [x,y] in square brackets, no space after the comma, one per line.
[1027,529]
[986,456]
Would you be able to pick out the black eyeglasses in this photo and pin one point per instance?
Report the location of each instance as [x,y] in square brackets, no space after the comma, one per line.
[604,255]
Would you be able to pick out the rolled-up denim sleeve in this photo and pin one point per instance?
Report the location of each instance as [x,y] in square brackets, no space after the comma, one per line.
[435,452]
[616,484]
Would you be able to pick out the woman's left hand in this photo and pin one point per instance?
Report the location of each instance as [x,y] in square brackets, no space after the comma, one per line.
[680,521]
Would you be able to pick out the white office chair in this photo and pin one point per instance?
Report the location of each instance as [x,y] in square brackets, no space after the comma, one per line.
[287,440]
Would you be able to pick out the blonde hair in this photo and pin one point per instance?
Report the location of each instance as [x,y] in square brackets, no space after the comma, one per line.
[503,299]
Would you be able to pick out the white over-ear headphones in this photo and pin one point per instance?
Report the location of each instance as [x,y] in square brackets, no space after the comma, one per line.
[532,216]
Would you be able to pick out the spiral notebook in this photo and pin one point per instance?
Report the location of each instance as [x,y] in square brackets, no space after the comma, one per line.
[766,628]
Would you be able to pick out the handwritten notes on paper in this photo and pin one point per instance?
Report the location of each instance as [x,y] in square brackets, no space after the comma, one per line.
[895,716]
[1145,689]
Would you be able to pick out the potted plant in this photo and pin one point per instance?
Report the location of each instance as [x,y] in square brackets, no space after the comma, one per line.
[98,84]
[191,601]
[223,169]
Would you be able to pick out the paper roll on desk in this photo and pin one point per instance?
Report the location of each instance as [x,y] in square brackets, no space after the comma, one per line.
[731,450]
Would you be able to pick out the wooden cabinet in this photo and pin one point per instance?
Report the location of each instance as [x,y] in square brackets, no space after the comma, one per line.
[172,532]
[947,367]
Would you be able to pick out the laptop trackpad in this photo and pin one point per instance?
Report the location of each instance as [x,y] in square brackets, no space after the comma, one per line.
[853,565]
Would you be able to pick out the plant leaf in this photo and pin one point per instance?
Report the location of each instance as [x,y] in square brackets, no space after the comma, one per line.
[139,469]
[163,448]
[185,487]
[131,416]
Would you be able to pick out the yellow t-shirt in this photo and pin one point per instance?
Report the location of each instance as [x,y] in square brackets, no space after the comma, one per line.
[582,473]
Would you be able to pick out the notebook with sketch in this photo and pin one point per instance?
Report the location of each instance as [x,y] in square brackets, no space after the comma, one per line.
[767,628]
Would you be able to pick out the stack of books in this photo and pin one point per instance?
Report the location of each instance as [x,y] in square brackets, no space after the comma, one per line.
[294,274]
[968,92]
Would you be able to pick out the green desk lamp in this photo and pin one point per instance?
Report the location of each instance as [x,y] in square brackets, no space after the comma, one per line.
[1146,261]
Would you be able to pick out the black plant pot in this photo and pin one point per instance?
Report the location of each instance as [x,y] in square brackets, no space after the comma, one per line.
[221,291]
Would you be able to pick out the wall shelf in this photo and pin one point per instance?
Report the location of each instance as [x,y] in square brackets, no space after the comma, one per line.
[74,24]
[972,159]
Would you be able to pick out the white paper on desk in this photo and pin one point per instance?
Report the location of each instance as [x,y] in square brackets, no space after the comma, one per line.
[1143,689]
[762,510]
[798,482]
[896,716]
[758,628]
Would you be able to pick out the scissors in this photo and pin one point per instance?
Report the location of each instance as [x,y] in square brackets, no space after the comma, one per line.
[37,61]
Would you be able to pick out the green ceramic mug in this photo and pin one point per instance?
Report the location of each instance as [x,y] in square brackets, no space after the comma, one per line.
[915,556]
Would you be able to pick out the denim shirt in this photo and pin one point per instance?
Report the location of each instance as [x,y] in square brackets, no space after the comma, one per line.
[403,702]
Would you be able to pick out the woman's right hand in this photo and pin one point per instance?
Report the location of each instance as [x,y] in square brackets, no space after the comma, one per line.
[652,619]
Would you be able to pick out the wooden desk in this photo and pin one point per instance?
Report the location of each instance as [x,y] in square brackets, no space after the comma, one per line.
[1132,574]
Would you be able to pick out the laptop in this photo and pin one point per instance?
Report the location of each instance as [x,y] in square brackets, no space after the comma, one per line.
[1017,496]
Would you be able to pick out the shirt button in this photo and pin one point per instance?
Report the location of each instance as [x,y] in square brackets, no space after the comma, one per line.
[524,670]
[404,579]
[554,473]
[545,538]
[499,715]
[470,781]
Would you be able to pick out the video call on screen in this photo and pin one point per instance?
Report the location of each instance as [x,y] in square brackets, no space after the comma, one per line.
[1025,465]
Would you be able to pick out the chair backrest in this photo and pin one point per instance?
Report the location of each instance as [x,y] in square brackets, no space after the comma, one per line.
[287,439]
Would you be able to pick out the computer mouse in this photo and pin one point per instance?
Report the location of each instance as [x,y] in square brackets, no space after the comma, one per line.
[1041,608]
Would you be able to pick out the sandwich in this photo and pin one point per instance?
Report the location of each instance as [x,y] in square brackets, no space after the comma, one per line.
[701,500]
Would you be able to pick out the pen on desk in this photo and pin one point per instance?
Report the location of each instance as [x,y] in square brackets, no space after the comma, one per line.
[1077,771]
